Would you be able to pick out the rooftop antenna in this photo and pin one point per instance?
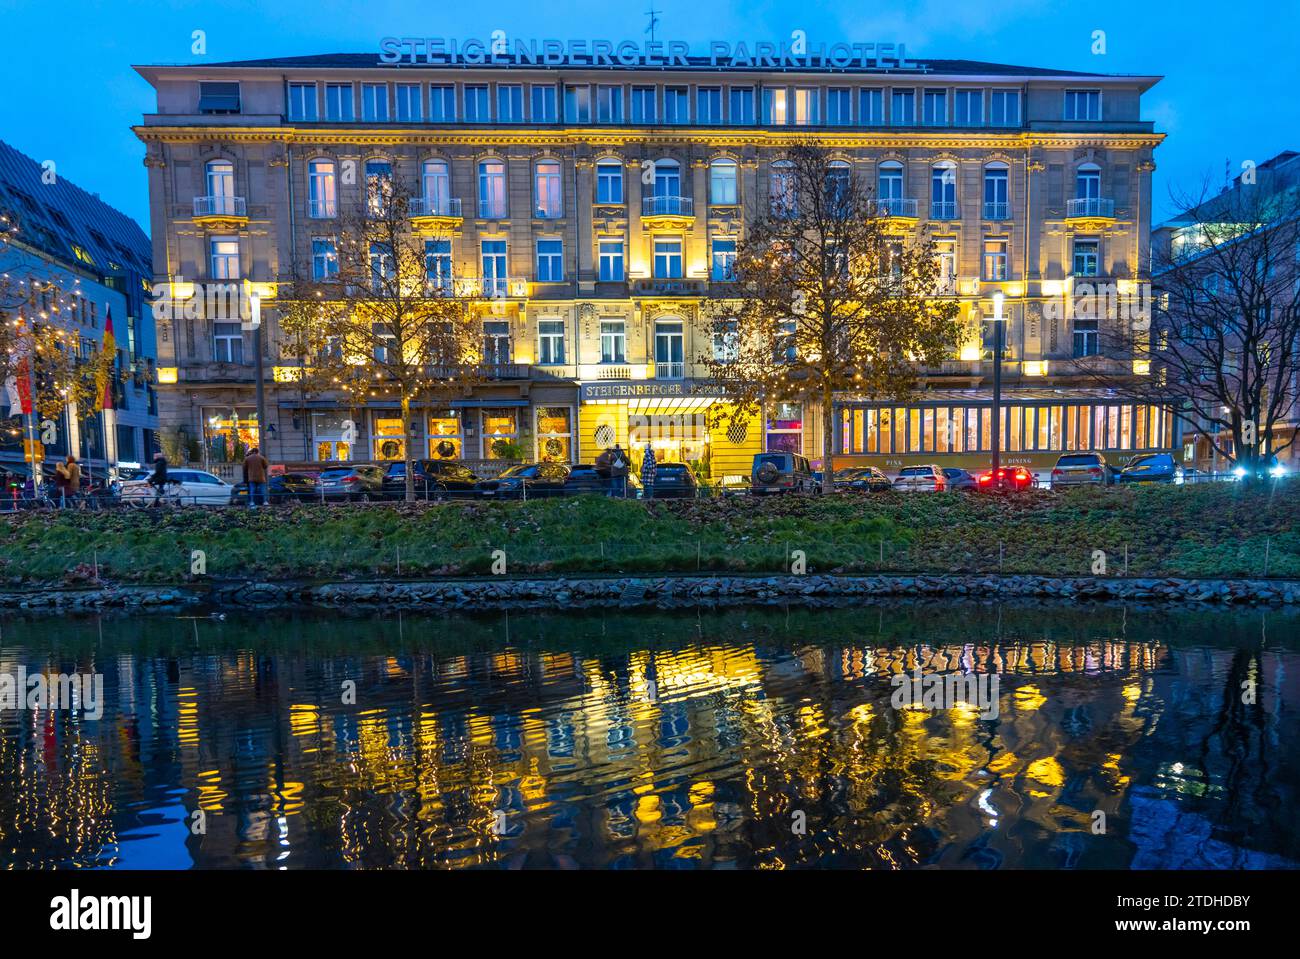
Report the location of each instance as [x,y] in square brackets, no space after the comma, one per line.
[653,14]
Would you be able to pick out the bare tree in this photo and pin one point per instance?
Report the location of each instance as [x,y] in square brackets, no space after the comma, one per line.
[381,326]
[831,293]
[1218,341]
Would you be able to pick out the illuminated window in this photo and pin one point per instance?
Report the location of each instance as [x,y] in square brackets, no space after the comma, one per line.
[548,195]
[322,202]
[774,106]
[446,436]
[389,439]
[492,189]
[554,434]
[223,255]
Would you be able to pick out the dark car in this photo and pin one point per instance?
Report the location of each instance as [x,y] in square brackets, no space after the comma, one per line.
[782,473]
[1006,478]
[584,478]
[283,488]
[861,478]
[1149,468]
[432,479]
[354,483]
[959,479]
[526,481]
[672,481]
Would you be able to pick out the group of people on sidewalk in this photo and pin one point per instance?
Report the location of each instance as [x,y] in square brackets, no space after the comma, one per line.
[615,464]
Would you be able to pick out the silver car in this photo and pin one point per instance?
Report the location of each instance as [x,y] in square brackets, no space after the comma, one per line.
[1081,469]
[921,479]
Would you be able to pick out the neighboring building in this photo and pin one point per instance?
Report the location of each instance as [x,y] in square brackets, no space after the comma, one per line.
[1181,243]
[73,237]
[602,202]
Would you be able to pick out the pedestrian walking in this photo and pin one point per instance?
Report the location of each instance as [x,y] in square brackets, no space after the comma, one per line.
[256,469]
[648,471]
[72,479]
[603,469]
[618,470]
[61,484]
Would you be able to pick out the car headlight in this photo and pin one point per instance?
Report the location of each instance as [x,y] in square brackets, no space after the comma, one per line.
[1277,471]
[1239,472]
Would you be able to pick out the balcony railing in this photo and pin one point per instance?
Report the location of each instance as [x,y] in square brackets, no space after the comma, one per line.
[220,206]
[943,210]
[946,285]
[322,209]
[997,210]
[897,206]
[1089,206]
[434,206]
[670,371]
[667,206]
[491,286]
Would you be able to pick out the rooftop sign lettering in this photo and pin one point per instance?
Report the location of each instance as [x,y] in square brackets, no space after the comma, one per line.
[796,53]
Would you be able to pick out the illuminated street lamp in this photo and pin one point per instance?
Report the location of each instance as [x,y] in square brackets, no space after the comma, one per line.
[997,322]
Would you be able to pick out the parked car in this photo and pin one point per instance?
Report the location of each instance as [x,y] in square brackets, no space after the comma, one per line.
[583,478]
[1007,478]
[1150,468]
[528,480]
[432,479]
[1074,469]
[861,478]
[921,479]
[782,473]
[673,481]
[283,488]
[959,479]
[362,482]
[184,486]
[732,485]
[1268,468]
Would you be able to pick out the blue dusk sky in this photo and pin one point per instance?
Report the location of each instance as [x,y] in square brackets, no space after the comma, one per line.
[1227,97]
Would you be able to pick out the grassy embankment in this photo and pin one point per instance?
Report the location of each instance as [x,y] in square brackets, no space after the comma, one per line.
[1212,530]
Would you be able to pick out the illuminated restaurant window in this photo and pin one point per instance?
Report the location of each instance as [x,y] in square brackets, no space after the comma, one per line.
[785,428]
[554,434]
[389,438]
[229,434]
[329,434]
[446,437]
[500,433]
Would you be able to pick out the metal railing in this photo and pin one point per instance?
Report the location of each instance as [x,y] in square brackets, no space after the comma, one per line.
[994,210]
[434,206]
[322,209]
[220,206]
[1089,206]
[670,371]
[943,210]
[667,206]
[897,206]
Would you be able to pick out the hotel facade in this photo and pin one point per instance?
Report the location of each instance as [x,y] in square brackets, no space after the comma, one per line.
[592,207]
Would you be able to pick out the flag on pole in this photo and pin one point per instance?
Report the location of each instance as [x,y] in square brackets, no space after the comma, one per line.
[104,375]
[24,384]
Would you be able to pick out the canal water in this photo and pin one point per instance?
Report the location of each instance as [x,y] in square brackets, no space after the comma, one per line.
[754,738]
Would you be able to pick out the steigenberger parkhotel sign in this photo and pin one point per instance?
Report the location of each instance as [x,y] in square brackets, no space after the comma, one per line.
[796,53]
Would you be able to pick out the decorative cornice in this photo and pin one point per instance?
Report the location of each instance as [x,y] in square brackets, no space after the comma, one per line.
[723,138]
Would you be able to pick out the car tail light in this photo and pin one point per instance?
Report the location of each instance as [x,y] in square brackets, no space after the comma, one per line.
[349,479]
[1058,472]
[1094,470]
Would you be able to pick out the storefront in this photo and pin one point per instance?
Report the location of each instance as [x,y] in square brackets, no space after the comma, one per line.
[228,434]
[672,417]
[955,428]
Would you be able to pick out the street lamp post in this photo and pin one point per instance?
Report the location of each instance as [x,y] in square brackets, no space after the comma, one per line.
[255,301]
[997,385]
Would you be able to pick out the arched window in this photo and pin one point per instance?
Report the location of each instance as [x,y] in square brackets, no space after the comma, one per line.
[609,181]
[664,195]
[722,182]
[492,189]
[322,189]
[889,188]
[997,185]
[548,197]
[379,186]
[435,187]
[221,178]
[838,177]
[781,188]
[943,190]
[1087,182]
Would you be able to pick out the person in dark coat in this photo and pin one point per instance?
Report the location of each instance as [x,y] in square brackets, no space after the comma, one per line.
[159,478]
[648,471]
[619,465]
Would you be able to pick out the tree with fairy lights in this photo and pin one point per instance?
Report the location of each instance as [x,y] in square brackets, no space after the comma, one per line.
[44,364]
[828,293]
[379,325]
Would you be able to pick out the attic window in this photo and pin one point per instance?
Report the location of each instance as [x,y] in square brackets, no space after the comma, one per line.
[218,97]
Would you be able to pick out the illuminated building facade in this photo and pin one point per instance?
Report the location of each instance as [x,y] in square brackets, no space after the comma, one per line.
[599,203]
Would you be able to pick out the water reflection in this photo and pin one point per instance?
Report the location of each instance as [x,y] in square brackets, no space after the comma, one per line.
[681,740]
